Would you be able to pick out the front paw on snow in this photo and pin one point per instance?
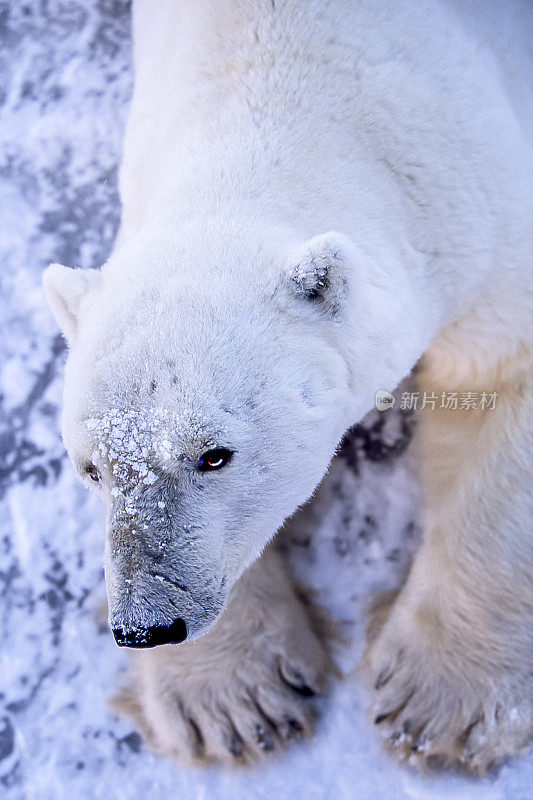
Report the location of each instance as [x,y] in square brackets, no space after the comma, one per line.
[246,721]
[429,718]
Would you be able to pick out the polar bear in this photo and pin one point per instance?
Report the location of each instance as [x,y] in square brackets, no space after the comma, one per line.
[316,197]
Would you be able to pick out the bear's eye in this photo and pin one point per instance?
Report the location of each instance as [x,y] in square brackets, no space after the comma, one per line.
[92,472]
[214,459]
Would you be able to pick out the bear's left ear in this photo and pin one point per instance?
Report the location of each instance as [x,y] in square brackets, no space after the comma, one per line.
[64,289]
[319,272]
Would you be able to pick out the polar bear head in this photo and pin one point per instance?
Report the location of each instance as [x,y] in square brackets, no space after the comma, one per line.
[205,393]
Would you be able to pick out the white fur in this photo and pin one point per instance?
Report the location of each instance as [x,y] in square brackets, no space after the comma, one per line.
[313,193]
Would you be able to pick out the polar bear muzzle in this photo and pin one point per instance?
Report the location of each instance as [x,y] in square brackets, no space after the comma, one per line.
[174,633]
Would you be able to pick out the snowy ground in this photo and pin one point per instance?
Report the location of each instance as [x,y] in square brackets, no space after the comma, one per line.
[65,82]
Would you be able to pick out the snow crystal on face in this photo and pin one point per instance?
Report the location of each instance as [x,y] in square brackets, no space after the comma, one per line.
[165,449]
[132,442]
[128,438]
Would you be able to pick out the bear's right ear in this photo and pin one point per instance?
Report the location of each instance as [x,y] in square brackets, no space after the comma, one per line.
[64,289]
[318,272]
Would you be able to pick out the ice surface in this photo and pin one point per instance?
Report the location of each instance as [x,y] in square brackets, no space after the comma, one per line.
[65,82]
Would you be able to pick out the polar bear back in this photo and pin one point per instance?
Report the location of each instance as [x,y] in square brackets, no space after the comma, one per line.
[335,115]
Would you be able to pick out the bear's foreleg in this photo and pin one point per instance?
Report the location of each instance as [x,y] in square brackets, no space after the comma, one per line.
[451,662]
[244,689]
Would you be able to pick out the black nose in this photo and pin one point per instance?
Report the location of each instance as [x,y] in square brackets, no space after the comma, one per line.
[174,633]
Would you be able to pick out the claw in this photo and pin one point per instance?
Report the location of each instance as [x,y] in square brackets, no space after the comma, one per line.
[198,739]
[422,745]
[234,743]
[384,677]
[263,738]
[291,728]
[294,725]
[294,678]
[401,736]
[236,746]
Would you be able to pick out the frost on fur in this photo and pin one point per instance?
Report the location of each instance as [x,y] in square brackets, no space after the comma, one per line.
[319,274]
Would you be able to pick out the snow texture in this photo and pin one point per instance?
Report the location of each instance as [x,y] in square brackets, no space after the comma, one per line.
[65,83]
[128,437]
